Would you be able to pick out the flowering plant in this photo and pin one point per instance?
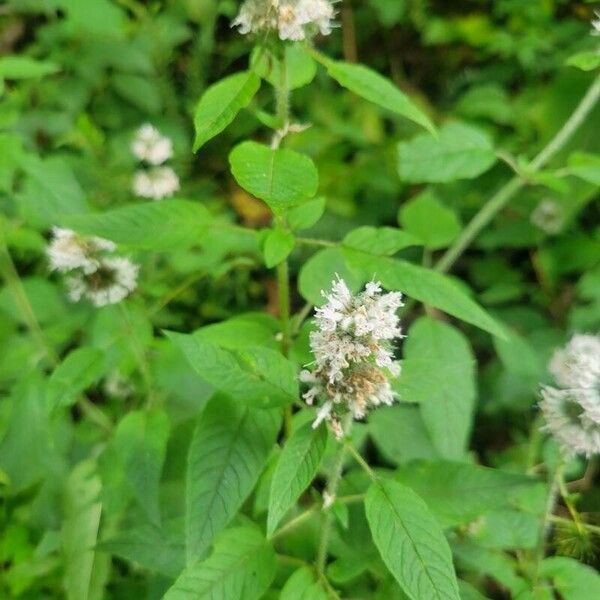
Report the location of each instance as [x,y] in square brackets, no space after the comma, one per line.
[279,324]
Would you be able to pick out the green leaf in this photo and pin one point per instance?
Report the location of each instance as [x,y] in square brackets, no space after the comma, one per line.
[320,270]
[253,375]
[277,246]
[296,468]
[220,104]
[158,549]
[585,166]
[439,373]
[429,220]
[460,152]
[51,191]
[425,285]
[140,91]
[307,214]
[80,532]
[282,178]
[411,542]
[164,225]
[300,68]
[228,452]
[381,241]
[79,370]
[372,86]
[586,61]
[23,67]
[242,566]
[458,493]
[242,331]
[141,444]
[574,580]
[302,585]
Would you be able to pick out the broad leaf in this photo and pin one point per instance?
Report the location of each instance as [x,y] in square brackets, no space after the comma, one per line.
[585,166]
[253,375]
[80,368]
[277,246]
[460,152]
[306,215]
[282,178]
[23,67]
[381,241]
[586,61]
[429,220]
[411,542]
[375,88]
[457,493]
[296,468]
[439,373]
[220,104]
[165,225]
[141,443]
[425,285]
[300,68]
[158,549]
[574,580]
[228,452]
[242,566]
[302,585]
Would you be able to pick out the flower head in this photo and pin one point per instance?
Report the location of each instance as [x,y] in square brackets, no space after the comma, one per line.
[150,146]
[156,183]
[548,216]
[113,281]
[572,410]
[68,251]
[293,20]
[353,349]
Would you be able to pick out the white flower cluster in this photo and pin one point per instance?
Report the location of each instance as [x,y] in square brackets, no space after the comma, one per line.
[93,275]
[153,148]
[353,349]
[572,410]
[293,20]
[596,23]
[548,216]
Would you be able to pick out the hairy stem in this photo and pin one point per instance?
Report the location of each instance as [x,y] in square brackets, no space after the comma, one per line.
[332,485]
[503,196]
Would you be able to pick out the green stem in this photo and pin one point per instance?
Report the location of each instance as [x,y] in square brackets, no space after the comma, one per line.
[361,461]
[332,485]
[293,523]
[499,200]
[282,94]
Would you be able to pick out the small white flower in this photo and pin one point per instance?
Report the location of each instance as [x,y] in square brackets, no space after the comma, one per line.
[548,216]
[596,23]
[155,183]
[353,353]
[150,146]
[117,386]
[113,281]
[328,500]
[577,365]
[68,251]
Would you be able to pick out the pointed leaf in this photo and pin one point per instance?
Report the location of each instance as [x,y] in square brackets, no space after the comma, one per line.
[411,542]
[297,467]
[302,585]
[228,452]
[220,104]
[241,567]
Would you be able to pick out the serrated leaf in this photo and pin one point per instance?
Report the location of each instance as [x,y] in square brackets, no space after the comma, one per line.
[220,104]
[296,468]
[282,178]
[382,241]
[228,452]
[411,542]
[429,220]
[79,369]
[302,585]
[460,152]
[425,285]
[372,86]
[438,372]
[253,375]
[458,493]
[164,225]
[23,67]
[158,549]
[242,566]
[141,443]
[277,246]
